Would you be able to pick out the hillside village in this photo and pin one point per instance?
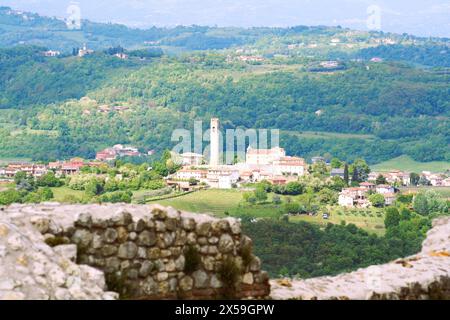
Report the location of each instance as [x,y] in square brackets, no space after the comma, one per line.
[198,171]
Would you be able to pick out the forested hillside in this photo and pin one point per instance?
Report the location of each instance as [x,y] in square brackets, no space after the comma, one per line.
[54,107]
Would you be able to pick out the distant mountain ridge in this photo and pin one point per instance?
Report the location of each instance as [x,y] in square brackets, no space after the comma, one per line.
[25,28]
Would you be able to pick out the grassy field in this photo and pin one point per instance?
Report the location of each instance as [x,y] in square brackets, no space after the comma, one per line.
[371,220]
[64,194]
[217,202]
[405,163]
[206,201]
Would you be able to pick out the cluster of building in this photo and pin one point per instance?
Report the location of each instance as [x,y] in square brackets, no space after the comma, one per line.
[359,196]
[84,51]
[260,164]
[31,169]
[111,154]
[60,168]
[436,179]
[401,178]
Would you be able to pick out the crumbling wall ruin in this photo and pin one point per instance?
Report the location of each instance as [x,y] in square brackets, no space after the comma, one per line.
[151,252]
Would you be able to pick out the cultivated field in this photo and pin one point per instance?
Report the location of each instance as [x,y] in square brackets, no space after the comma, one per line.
[405,163]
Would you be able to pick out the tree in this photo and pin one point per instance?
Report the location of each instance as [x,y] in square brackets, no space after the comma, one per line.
[337,183]
[336,163]
[10,196]
[392,217]
[362,169]
[381,179]
[49,180]
[292,208]
[355,177]
[45,194]
[260,193]
[377,200]
[420,204]
[294,188]
[327,196]
[414,178]
[94,188]
[346,174]
[423,181]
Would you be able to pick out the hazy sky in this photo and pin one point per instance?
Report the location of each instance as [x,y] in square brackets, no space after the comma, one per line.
[420,17]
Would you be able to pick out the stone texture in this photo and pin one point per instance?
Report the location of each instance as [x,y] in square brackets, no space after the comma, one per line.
[201,279]
[147,238]
[127,250]
[141,250]
[226,243]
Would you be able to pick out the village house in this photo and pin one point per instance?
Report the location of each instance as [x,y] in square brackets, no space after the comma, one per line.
[289,166]
[368,186]
[251,58]
[191,159]
[337,173]
[116,151]
[108,154]
[84,51]
[389,198]
[393,177]
[384,189]
[51,53]
[73,166]
[446,182]
[318,159]
[222,177]
[264,156]
[31,169]
[121,55]
[187,174]
[354,197]
[436,179]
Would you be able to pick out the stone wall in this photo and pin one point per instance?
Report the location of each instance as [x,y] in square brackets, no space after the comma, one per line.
[151,252]
[425,275]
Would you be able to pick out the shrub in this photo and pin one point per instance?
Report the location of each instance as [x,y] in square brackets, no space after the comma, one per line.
[192,259]
[229,273]
[246,255]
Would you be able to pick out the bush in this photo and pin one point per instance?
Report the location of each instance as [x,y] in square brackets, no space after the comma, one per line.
[246,255]
[192,259]
[229,273]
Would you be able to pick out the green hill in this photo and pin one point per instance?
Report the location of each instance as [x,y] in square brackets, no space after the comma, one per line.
[51,107]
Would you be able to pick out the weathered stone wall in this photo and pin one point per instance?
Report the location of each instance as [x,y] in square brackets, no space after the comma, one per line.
[422,276]
[146,251]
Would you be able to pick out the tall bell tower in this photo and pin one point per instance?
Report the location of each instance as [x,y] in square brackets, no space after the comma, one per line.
[215,152]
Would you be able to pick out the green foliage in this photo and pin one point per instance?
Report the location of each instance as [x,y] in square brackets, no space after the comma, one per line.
[327,196]
[117,197]
[192,259]
[260,193]
[49,180]
[377,200]
[426,203]
[381,179]
[94,187]
[392,217]
[304,249]
[414,177]
[228,273]
[10,196]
